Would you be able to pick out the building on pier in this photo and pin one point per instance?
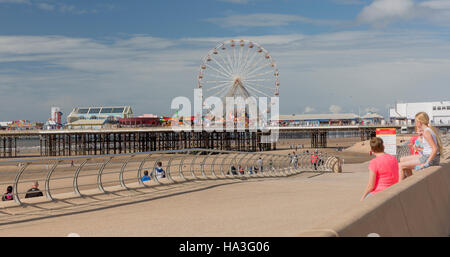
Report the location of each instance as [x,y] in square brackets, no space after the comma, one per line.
[97,117]
[404,113]
[314,120]
[372,118]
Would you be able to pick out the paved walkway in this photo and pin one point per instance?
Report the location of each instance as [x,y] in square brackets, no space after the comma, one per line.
[255,207]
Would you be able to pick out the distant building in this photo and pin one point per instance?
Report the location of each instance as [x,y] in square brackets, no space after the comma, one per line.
[22,125]
[55,120]
[404,113]
[312,120]
[137,122]
[97,117]
[4,125]
[372,118]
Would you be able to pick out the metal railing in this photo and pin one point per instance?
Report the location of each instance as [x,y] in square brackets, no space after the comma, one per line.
[79,175]
[405,150]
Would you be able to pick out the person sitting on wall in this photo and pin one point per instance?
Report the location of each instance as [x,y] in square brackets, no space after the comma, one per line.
[432,148]
[146,177]
[8,196]
[160,173]
[383,170]
[34,191]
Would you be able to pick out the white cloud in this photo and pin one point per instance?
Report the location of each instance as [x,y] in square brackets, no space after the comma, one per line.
[45,6]
[335,108]
[371,109]
[15,1]
[268,20]
[263,40]
[436,4]
[49,5]
[309,109]
[236,1]
[351,69]
[383,12]
[349,1]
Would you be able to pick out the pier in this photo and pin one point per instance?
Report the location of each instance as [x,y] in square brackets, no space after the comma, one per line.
[118,141]
[71,142]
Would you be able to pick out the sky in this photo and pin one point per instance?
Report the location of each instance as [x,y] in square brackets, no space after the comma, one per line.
[332,55]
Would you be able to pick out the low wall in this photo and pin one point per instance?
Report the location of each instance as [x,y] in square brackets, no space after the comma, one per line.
[417,206]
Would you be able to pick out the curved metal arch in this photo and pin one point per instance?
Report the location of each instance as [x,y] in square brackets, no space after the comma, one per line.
[222,164]
[233,162]
[213,166]
[307,161]
[320,156]
[180,168]
[122,170]
[16,183]
[193,164]
[202,165]
[247,168]
[99,175]
[75,177]
[289,166]
[330,160]
[262,173]
[168,176]
[278,170]
[280,167]
[286,168]
[253,164]
[139,171]
[47,180]
[240,165]
[303,161]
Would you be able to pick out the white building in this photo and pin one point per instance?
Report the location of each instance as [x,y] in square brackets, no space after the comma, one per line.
[404,113]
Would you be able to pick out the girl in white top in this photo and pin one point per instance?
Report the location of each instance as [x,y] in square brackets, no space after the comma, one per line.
[432,148]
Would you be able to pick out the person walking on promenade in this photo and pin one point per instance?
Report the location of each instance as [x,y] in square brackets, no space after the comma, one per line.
[34,191]
[8,196]
[259,162]
[294,160]
[383,170]
[432,148]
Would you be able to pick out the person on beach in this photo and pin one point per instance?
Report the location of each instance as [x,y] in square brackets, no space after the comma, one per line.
[34,191]
[8,196]
[432,148]
[383,170]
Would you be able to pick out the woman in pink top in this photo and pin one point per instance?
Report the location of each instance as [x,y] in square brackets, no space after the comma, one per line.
[383,169]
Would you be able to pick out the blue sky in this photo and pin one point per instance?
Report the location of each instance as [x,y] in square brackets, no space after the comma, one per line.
[334,55]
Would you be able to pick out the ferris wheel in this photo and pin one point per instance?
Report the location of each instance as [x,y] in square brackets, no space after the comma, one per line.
[238,68]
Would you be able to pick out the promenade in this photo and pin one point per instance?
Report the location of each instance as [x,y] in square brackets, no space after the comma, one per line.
[257,207]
